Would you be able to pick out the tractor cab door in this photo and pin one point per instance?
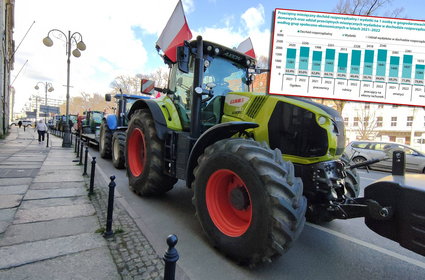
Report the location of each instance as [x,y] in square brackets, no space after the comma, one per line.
[220,77]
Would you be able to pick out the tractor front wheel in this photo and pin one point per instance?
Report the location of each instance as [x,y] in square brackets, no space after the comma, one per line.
[118,149]
[144,157]
[247,200]
[105,140]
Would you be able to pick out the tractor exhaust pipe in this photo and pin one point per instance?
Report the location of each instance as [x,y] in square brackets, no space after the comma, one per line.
[198,76]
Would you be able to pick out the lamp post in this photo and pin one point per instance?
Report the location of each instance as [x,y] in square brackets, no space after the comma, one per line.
[77,39]
[36,98]
[47,87]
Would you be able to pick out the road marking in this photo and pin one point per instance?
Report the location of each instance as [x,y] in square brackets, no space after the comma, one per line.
[370,246]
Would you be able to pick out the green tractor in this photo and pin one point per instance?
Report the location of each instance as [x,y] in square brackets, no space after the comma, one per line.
[227,143]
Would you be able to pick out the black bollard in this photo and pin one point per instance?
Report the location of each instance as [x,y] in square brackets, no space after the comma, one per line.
[47,144]
[78,147]
[76,142]
[71,139]
[93,168]
[85,161]
[171,256]
[399,163]
[109,233]
[81,153]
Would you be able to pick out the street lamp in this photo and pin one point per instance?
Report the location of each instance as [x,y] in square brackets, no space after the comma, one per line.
[72,39]
[47,88]
[35,98]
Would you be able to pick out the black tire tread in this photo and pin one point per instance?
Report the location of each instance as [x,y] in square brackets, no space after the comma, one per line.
[106,150]
[119,136]
[284,191]
[153,181]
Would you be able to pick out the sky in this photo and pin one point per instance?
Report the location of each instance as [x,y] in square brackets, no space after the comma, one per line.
[120,36]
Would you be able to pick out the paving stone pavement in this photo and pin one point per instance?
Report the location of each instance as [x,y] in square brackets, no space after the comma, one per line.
[132,252]
[47,227]
[48,222]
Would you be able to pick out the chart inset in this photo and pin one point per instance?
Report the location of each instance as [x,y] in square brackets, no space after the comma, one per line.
[348,57]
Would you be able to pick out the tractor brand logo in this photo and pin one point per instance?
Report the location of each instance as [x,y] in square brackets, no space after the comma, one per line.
[236,100]
[232,56]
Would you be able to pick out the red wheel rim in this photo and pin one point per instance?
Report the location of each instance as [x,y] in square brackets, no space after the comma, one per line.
[223,211]
[136,152]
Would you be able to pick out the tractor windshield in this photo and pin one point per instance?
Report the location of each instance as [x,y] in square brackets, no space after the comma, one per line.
[221,76]
[226,75]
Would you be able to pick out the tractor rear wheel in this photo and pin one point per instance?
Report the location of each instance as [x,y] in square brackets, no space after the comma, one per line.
[144,157]
[118,149]
[105,140]
[247,201]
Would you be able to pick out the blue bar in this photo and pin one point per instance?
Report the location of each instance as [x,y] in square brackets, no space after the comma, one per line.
[407,66]
[342,62]
[291,55]
[382,63]
[329,60]
[394,66]
[304,54]
[419,72]
[368,62]
[317,61]
[355,61]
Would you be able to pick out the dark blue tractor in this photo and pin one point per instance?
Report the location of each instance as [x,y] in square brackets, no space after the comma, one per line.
[113,129]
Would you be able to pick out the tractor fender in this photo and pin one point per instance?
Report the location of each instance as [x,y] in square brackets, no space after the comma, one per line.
[157,115]
[112,121]
[212,135]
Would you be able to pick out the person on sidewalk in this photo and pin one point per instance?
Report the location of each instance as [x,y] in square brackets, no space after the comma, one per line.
[41,129]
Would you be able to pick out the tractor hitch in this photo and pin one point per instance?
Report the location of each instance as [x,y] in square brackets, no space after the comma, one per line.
[361,207]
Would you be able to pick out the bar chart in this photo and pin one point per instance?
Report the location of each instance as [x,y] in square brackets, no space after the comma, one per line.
[352,63]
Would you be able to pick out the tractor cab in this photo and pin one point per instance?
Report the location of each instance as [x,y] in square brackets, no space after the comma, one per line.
[224,70]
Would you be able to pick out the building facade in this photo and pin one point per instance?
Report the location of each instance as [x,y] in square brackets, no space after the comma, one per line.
[379,122]
[6,61]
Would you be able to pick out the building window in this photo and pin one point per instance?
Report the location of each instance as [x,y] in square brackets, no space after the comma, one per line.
[409,121]
[356,121]
[367,106]
[380,106]
[346,121]
[393,121]
[379,121]
[395,106]
[365,121]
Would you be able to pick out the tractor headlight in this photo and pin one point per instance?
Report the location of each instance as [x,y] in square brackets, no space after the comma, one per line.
[321,120]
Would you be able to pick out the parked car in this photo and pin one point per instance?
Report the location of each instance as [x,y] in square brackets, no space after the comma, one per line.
[360,151]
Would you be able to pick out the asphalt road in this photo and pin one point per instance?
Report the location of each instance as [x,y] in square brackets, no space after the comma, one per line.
[342,249]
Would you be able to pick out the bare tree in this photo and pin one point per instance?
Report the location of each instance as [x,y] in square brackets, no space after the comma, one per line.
[127,84]
[87,101]
[263,62]
[367,123]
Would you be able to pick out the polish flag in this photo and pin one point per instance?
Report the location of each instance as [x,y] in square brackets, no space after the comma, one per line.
[175,33]
[247,48]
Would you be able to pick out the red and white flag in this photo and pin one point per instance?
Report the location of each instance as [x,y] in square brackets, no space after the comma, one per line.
[147,86]
[247,48]
[175,33]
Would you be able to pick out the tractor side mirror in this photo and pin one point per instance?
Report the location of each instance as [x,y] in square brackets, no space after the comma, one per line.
[183,58]
[147,86]
[403,214]
[108,97]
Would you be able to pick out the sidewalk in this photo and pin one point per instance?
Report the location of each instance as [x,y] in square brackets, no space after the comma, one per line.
[48,223]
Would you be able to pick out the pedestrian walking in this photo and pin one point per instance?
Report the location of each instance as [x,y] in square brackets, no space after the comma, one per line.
[41,129]
[20,124]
